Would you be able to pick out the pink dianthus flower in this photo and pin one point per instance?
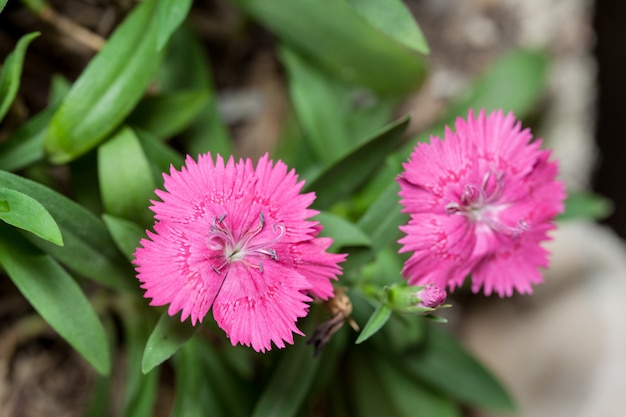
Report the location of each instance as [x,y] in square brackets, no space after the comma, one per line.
[236,239]
[481,201]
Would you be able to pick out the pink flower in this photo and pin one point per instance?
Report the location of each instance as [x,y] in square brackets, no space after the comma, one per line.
[237,239]
[481,201]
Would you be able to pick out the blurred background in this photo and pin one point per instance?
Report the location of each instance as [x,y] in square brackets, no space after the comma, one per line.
[562,352]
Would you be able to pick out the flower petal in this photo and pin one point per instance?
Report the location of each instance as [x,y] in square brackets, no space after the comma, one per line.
[441,246]
[257,308]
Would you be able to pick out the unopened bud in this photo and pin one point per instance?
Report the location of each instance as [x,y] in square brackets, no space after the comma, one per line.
[431,296]
[415,298]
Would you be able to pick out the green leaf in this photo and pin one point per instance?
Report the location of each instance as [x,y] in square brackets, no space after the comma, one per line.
[395,19]
[410,398]
[442,363]
[586,205]
[369,397]
[140,390]
[25,146]
[514,82]
[346,44]
[382,219]
[317,101]
[125,177]
[235,392]
[56,297]
[2,4]
[88,249]
[186,68]
[160,156]
[20,210]
[168,114]
[334,116]
[126,234]
[196,395]
[340,179]
[99,401]
[342,231]
[171,14]
[12,71]
[377,320]
[166,338]
[289,384]
[108,89]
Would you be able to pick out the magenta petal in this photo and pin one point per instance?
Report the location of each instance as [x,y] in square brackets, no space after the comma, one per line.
[441,246]
[257,308]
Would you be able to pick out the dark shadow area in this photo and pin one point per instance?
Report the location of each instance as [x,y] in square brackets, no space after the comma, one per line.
[610,25]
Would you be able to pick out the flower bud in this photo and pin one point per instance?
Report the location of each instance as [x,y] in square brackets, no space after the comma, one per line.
[411,298]
[431,296]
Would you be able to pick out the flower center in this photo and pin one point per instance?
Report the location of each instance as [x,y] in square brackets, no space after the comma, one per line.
[480,204]
[230,249]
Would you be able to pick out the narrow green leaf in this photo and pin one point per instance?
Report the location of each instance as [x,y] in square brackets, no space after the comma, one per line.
[514,82]
[140,390]
[88,249]
[100,404]
[168,114]
[160,156]
[25,146]
[377,320]
[382,219]
[338,180]
[2,4]
[289,384]
[109,88]
[586,205]
[56,297]
[369,398]
[125,233]
[166,338]
[395,19]
[346,44]
[99,401]
[12,71]
[342,231]
[125,177]
[186,67]
[20,210]
[171,14]
[441,362]
[409,397]
[317,99]
[235,392]
[196,395]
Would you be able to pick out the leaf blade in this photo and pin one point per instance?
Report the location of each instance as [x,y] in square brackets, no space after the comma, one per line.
[168,336]
[108,89]
[344,45]
[170,15]
[56,297]
[11,72]
[393,18]
[125,177]
[88,249]
[443,363]
[28,214]
[347,173]
[377,320]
